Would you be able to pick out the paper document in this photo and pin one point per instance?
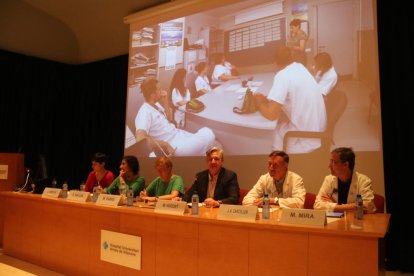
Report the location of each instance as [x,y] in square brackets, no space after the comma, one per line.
[243,89]
[233,87]
[254,83]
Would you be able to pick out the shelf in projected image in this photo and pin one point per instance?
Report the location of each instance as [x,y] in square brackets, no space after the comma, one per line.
[137,45]
[143,65]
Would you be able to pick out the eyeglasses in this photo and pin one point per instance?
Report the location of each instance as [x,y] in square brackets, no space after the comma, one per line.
[274,165]
[214,158]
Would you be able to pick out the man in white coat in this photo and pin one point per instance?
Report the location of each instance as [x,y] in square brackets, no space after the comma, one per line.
[339,189]
[284,188]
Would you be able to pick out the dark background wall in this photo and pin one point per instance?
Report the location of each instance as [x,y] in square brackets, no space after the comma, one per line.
[67,112]
[64,112]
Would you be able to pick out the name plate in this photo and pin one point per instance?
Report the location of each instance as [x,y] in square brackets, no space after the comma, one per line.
[121,249]
[304,216]
[79,196]
[237,212]
[110,200]
[51,192]
[4,170]
[171,207]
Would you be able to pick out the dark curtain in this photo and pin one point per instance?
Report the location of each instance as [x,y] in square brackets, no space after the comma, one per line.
[396,48]
[63,112]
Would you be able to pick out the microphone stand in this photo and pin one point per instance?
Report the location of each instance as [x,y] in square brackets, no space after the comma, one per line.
[27,181]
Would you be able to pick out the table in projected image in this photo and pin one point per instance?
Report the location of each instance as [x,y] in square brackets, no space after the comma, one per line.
[239,134]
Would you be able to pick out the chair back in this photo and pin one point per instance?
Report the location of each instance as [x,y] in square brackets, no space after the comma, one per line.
[309,200]
[335,107]
[379,202]
[243,193]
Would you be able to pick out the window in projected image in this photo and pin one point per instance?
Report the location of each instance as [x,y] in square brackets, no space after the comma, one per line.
[211,65]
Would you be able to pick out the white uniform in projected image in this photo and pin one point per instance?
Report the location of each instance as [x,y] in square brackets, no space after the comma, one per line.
[297,91]
[152,123]
[295,102]
[179,114]
[219,70]
[157,126]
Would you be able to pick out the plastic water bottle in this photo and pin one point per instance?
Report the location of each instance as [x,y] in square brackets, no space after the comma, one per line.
[95,192]
[130,198]
[359,209]
[122,190]
[65,190]
[266,207]
[194,204]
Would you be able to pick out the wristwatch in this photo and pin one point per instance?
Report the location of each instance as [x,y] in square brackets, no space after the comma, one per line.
[220,202]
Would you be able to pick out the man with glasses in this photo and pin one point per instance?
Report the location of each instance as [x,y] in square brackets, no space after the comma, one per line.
[339,189]
[216,185]
[284,188]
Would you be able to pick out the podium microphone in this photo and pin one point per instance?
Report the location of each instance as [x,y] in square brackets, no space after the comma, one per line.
[27,180]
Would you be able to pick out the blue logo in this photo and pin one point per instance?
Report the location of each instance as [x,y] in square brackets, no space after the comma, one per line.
[105,245]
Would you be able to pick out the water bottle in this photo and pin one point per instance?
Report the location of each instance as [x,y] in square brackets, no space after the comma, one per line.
[122,190]
[130,198]
[95,192]
[359,209]
[65,190]
[266,207]
[194,204]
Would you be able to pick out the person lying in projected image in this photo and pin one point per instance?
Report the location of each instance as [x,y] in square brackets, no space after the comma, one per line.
[224,70]
[151,124]
[295,102]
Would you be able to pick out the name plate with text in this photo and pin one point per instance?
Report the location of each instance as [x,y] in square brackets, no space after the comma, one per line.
[237,212]
[51,192]
[79,196]
[121,249]
[304,216]
[4,170]
[171,207]
[110,200]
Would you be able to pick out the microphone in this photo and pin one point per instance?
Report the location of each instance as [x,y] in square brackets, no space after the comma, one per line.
[28,171]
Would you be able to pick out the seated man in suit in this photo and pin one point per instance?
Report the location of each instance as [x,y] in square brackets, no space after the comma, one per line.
[216,185]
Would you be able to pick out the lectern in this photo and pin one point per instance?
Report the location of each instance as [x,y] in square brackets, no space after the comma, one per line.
[11,170]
